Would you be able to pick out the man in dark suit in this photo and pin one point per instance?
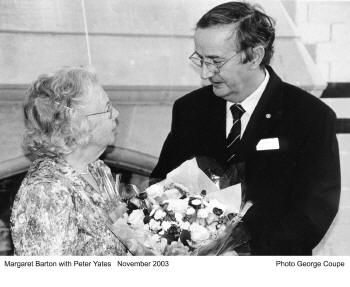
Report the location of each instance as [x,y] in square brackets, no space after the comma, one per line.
[284,137]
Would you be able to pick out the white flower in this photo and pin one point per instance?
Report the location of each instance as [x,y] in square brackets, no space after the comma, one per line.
[136,217]
[155,190]
[154,210]
[213,231]
[177,205]
[184,225]
[203,213]
[190,211]
[172,193]
[166,224]
[205,202]
[198,232]
[159,214]
[221,230]
[201,221]
[196,202]
[154,225]
[178,216]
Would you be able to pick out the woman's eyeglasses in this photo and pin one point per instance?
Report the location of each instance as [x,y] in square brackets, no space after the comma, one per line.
[109,110]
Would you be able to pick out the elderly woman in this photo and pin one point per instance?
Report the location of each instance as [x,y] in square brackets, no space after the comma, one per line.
[63,204]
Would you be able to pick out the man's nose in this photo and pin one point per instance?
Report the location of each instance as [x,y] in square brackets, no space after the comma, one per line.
[205,72]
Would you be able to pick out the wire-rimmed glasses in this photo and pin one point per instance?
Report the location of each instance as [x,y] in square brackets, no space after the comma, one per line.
[109,110]
[209,63]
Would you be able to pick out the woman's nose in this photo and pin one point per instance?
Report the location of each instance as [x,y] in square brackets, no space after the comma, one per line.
[115,113]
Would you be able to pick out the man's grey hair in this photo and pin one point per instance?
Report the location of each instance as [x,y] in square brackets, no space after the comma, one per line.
[252,27]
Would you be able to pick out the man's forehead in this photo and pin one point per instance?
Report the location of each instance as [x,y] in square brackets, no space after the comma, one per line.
[214,41]
[217,32]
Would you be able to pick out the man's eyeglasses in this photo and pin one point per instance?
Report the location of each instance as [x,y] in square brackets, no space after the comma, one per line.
[109,111]
[211,65]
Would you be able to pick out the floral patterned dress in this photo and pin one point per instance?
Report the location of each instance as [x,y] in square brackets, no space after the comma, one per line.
[57,212]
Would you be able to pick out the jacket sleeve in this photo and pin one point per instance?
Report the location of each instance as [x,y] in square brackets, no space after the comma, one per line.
[175,149]
[316,193]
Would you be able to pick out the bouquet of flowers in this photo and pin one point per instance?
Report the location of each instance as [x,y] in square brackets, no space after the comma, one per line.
[186,214]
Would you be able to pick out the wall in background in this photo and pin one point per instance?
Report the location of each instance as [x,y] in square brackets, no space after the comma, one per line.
[324,28]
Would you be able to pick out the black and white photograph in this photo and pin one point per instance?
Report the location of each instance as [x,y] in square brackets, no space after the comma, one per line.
[159,135]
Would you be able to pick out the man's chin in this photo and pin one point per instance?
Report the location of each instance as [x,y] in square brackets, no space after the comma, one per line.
[220,92]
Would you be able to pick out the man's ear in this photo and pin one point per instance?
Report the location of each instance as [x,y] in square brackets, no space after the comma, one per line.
[258,56]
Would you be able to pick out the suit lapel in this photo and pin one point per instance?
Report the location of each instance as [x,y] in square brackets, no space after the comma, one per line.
[214,127]
[266,115]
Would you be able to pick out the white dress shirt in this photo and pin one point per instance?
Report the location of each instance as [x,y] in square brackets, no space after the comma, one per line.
[248,104]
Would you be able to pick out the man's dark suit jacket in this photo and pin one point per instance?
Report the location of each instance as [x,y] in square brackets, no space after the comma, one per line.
[295,189]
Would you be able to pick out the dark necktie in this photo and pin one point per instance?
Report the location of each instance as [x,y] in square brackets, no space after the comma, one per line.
[234,137]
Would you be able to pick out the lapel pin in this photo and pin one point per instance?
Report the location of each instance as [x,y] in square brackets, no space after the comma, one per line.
[268,116]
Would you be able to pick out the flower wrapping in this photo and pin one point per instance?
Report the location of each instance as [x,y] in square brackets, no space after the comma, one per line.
[185,214]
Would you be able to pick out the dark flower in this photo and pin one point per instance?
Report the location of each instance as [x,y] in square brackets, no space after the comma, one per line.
[172,234]
[142,195]
[217,211]
[164,205]
[131,207]
[147,219]
[184,236]
[170,216]
[231,215]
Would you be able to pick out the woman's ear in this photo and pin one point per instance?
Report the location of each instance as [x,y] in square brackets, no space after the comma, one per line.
[258,56]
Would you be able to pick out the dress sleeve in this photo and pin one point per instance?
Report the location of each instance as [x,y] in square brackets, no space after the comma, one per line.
[42,220]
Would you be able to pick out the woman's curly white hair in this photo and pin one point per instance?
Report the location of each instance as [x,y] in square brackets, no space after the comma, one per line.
[54,124]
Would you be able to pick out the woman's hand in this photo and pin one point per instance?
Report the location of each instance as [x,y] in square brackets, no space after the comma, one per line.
[118,211]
